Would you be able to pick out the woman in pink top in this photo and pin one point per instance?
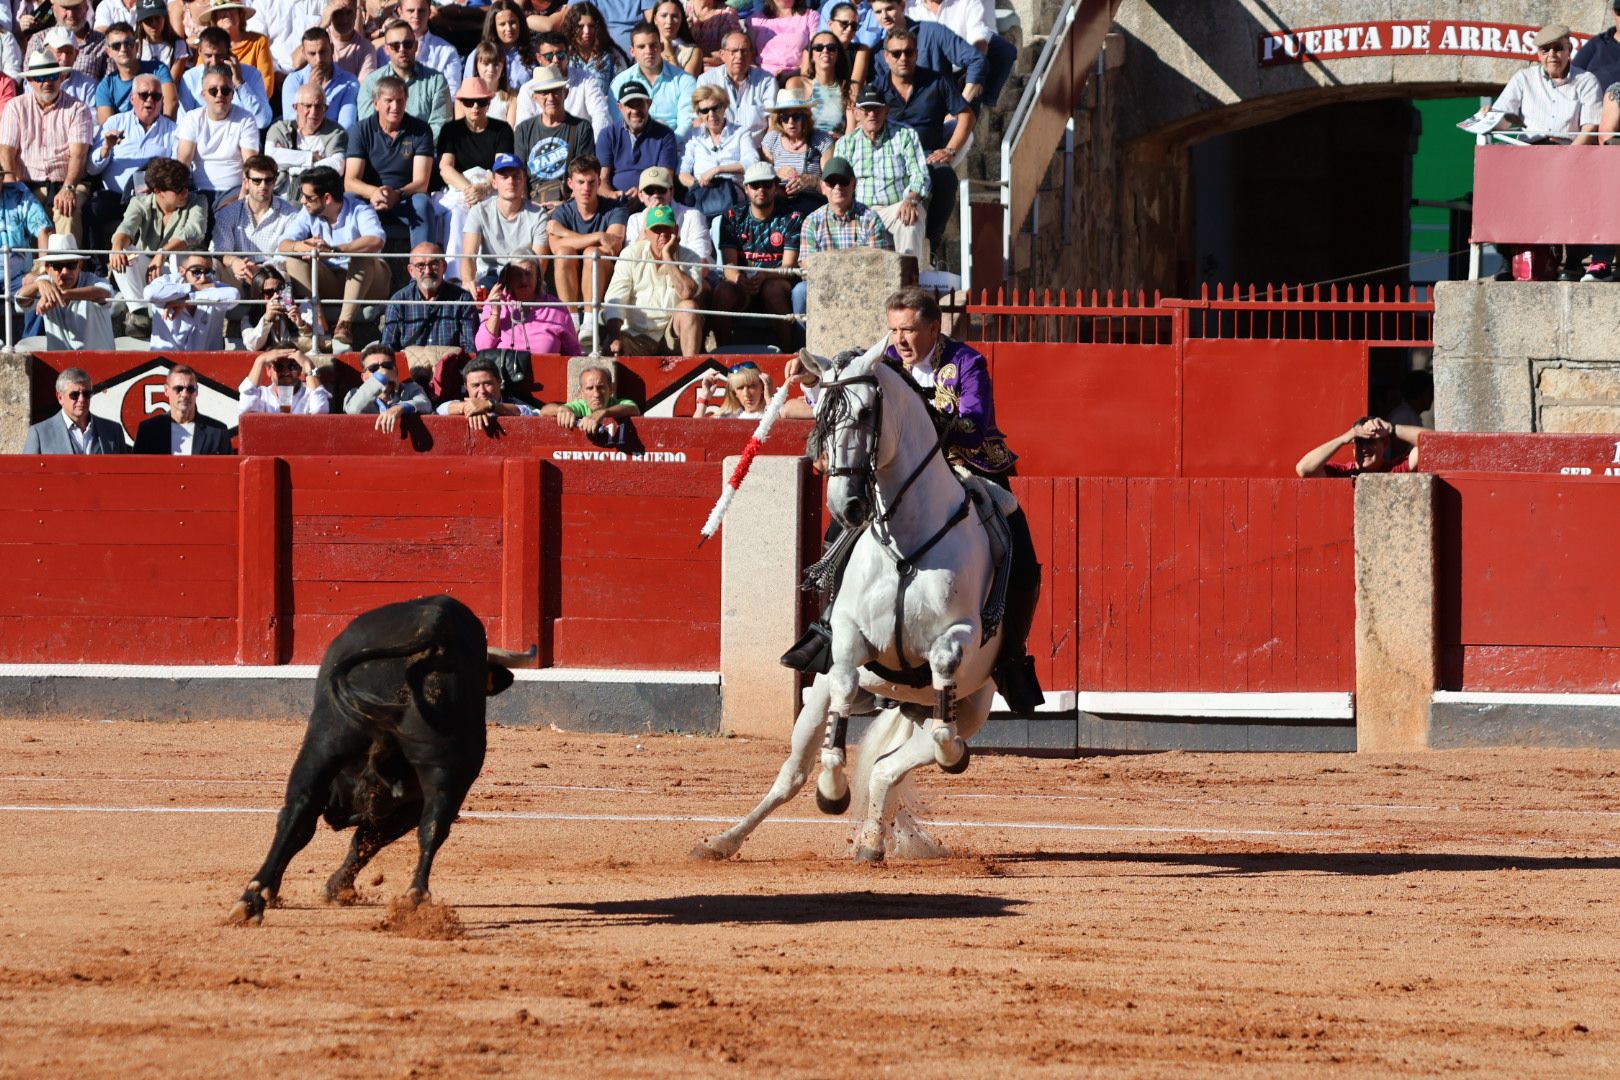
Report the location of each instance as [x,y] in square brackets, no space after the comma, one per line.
[509,322]
[781,31]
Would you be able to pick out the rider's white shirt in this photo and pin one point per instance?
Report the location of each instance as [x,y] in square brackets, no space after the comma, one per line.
[922,372]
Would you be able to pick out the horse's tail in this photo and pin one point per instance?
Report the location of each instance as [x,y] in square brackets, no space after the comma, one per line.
[883,737]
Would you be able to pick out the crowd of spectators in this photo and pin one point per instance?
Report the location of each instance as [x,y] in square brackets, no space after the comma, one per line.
[302,138]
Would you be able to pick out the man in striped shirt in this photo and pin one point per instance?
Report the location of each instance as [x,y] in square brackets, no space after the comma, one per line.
[891,171]
[845,222]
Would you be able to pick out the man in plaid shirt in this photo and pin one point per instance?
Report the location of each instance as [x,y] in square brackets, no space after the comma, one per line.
[442,317]
[845,222]
[891,170]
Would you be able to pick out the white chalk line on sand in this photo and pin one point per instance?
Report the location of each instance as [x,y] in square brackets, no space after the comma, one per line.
[699,819]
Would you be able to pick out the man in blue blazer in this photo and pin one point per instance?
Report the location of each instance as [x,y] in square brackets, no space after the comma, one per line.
[74,430]
[183,430]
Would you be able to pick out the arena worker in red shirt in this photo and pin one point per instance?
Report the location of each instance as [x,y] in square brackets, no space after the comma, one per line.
[1371,436]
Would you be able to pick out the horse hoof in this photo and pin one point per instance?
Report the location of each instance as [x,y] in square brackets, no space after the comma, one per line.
[959,766]
[702,852]
[833,807]
[868,855]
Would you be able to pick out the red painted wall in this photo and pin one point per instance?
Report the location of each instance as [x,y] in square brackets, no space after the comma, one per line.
[1528,582]
[1215,585]
[1196,407]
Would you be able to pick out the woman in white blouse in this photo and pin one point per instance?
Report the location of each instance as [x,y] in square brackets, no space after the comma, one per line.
[716,155]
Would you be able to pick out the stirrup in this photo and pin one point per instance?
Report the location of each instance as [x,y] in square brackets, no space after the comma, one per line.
[812,653]
[1019,685]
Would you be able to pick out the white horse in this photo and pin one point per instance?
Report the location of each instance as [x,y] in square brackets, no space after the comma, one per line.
[926,558]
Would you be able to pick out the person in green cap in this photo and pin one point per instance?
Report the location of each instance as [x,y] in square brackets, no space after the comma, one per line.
[652,300]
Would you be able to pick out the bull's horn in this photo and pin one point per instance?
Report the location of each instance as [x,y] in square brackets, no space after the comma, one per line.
[509,659]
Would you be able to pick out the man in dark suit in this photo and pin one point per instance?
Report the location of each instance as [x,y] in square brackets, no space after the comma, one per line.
[184,430]
[74,430]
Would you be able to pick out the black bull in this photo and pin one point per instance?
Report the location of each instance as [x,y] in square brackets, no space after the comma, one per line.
[395,739]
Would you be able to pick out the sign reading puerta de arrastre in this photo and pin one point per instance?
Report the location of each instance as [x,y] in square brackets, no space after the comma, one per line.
[1405,37]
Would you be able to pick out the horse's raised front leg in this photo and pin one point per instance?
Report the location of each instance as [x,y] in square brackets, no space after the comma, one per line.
[945,658]
[792,776]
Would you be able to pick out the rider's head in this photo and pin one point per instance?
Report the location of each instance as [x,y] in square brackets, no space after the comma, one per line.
[913,323]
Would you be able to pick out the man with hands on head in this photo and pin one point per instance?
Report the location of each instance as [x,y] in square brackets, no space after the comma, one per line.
[649,283]
[292,371]
[383,393]
[1371,437]
[595,403]
[482,380]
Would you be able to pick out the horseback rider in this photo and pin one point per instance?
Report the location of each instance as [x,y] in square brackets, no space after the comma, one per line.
[955,382]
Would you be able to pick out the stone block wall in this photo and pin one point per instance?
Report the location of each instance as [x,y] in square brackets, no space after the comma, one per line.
[1527,356]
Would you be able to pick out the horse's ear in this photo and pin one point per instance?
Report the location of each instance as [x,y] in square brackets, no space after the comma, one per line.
[812,363]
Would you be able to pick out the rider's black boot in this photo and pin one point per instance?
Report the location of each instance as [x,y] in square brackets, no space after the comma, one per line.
[812,653]
[1015,668]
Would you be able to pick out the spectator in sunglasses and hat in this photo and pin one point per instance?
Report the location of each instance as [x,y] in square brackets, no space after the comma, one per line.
[383,392]
[71,300]
[45,142]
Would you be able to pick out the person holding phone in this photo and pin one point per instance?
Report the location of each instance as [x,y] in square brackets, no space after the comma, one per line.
[520,314]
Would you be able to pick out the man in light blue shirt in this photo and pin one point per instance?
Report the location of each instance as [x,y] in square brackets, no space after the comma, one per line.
[120,152]
[427,94]
[214,50]
[671,88]
[341,90]
[338,233]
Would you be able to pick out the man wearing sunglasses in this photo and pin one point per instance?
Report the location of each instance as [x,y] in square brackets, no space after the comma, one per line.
[382,393]
[891,170]
[71,301]
[845,222]
[214,50]
[585,96]
[431,50]
[126,142]
[927,103]
[669,87]
[182,430]
[216,140]
[74,430]
[189,308]
[115,91]
[764,235]
[939,49]
[45,142]
[429,310]
[427,94]
[283,381]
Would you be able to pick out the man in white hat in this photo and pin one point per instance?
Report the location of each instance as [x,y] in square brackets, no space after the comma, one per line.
[72,301]
[585,95]
[549,140]
[92,47]
[45,142]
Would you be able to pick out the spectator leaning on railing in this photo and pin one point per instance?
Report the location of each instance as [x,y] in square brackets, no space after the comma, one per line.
[189,307]
[482,380]
[597,403]
[383,392]
[1553,101]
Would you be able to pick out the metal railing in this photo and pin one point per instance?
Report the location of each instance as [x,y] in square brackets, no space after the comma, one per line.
[589,310]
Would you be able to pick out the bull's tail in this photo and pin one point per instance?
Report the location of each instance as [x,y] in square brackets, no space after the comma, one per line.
[356,702]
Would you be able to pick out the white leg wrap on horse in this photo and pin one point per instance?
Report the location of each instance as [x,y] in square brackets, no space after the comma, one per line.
[948,749]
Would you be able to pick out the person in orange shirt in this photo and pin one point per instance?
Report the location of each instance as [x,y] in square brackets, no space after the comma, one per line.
[247,46]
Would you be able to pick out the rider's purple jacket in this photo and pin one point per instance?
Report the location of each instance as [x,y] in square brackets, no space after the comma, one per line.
[962,389]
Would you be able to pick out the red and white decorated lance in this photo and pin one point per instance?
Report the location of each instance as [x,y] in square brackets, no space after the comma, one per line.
[755,441]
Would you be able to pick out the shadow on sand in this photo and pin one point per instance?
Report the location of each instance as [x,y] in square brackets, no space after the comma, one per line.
[795,909]
[1369,863]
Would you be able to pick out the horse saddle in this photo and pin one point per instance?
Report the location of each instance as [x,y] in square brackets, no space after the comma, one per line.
[994,504]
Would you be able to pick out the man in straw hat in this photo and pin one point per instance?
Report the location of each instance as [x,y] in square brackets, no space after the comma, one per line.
[549,140]
[71,300]
[45,142]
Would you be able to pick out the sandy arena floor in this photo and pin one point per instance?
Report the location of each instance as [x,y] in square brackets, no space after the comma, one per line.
[1154,915]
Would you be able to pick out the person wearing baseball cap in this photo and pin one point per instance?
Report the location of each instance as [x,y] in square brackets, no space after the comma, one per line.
[844,222]
[509,224]
[654,290]
[639,144]
[762,236]
[657,188]
[61,44]
[549,140]
[74,16]
[891,170]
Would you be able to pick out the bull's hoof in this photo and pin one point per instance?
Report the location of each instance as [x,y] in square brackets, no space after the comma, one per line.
[346,896]
[415,897]
[871,856]
[832,806]
[960,765]
[249,910]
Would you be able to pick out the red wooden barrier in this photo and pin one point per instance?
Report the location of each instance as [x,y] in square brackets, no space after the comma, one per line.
[159,560]
[119,559]
[1191,408]
[1215,585]
[662,441]
[1559,455]
[1527,583]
